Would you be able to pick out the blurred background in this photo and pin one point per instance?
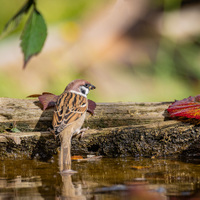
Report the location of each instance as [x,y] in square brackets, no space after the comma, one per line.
[131,50]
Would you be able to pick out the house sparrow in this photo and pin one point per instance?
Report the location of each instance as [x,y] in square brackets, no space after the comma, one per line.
[49,100]
[68,118]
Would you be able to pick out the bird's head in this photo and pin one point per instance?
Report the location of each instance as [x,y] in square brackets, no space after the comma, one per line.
[80,86]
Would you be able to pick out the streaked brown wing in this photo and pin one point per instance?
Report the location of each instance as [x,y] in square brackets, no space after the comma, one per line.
[69,108]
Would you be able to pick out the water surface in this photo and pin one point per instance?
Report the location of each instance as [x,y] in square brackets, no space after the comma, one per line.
[107,178]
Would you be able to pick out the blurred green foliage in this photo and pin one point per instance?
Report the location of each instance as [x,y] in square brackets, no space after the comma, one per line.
[9,86]
[173,73]
[53,11]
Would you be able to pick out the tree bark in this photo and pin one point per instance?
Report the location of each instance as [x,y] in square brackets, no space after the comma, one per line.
[27,115]
[116,129]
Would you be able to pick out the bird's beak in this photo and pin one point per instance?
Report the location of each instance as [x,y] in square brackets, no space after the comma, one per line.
[91,87]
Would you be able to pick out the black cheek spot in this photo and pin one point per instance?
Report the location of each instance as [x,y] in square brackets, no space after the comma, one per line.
[83,91]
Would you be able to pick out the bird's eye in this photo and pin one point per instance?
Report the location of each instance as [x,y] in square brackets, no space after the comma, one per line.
[86,85]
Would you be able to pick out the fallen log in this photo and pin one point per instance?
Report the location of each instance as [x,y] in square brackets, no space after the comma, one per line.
[118,129]
[27,115]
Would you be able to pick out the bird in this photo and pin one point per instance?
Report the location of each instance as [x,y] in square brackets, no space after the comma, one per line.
[69,115]
[48,100]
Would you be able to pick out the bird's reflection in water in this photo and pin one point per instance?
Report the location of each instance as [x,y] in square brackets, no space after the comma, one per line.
[68,189]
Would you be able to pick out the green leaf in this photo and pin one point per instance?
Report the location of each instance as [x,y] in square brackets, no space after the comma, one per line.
[33,35]
[16,19]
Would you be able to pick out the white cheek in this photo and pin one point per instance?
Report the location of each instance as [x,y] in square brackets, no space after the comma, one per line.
[86,91]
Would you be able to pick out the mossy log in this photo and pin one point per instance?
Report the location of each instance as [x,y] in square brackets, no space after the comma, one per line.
[116,129]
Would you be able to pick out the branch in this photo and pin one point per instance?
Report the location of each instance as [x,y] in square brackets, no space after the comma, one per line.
[117,129]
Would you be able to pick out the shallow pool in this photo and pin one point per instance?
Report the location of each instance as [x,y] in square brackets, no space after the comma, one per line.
[106,178]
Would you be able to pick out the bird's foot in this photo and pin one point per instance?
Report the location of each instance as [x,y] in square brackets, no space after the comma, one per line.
[81,132]
[52,132]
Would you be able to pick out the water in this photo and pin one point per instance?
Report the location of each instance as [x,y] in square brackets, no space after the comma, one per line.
[107,178]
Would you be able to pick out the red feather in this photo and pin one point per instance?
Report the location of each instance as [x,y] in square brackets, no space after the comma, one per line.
[48,100]
[187,108]
[91,106]
[33,95]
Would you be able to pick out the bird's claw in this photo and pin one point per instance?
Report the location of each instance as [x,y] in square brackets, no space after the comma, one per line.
[81,132]
[52,132]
